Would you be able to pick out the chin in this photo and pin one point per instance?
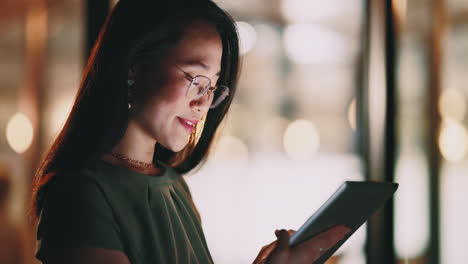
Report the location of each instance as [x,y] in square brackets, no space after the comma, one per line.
[175,146]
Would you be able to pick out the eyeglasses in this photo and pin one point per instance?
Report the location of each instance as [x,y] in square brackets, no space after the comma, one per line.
[201,85]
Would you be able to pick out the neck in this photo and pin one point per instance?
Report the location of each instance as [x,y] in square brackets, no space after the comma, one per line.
[136,144]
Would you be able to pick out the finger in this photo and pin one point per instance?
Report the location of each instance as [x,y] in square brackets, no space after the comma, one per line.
[265,252]
[283,239]
[268,249]
[321,243]
[281,252]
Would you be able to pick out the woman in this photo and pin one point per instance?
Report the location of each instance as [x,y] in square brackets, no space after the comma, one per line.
[157,85]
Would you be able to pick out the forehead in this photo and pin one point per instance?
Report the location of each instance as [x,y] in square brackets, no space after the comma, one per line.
[200,41]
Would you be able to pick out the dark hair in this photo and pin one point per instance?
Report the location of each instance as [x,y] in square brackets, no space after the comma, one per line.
[135,32]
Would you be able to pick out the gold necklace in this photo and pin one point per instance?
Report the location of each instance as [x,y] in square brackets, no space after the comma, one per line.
[137,164]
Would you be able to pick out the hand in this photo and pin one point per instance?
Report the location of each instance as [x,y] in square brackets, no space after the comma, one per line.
[279,252]
[266,250]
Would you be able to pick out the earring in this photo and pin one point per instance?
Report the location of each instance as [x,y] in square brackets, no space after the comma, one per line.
[196,134]
[130,84]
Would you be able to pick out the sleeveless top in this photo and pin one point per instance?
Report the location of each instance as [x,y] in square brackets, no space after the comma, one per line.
[152,219]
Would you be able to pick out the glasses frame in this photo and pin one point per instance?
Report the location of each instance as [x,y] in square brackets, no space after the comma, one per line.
[205,90]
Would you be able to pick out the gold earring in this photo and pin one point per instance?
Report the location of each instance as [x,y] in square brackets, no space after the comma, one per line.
[197,132]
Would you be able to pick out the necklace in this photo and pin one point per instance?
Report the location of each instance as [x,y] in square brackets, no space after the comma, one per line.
[137,164]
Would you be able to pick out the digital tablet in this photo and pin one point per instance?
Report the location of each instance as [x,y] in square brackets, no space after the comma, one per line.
[351,205]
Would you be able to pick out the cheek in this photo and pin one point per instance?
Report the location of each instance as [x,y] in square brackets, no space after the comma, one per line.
[169,91]
[161,107]
[174,94]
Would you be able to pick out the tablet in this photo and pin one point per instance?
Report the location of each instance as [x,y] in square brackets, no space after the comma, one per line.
[351,205]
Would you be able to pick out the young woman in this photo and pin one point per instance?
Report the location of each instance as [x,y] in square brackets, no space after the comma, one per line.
[157,85]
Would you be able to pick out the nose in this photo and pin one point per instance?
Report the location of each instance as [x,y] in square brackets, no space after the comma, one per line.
[202,104]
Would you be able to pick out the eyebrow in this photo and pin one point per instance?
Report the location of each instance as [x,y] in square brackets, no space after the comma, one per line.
[201,64]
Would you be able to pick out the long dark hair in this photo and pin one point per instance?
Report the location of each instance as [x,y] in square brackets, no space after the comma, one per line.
[135,32]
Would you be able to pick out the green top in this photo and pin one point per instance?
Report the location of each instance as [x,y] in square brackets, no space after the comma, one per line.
[152,219]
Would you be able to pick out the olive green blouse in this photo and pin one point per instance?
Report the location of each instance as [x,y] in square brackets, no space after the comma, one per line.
[152,219]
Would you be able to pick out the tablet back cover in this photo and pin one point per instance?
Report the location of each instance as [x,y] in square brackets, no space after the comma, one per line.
[351,205]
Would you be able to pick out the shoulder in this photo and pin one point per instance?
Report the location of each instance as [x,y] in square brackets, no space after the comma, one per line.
[74,195]
[75,188]
[77,212]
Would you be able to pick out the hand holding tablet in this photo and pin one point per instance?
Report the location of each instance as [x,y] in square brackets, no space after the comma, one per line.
[279,252]
[333,223]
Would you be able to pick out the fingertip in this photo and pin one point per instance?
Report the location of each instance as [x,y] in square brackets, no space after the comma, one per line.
[281,232]
[283,238]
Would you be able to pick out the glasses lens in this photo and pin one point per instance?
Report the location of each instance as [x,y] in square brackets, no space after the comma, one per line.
[198,86]
[220,93]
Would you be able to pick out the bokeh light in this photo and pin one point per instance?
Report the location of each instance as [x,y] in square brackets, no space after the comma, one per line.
[57,115]
[452,104]
[247,35]
[400,8]
[19,132]
[453,140]
[301,140]
[314,44]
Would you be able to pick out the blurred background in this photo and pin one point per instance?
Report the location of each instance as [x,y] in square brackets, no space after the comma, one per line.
[330,91]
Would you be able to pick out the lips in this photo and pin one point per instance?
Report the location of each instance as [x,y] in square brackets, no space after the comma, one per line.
[187,123]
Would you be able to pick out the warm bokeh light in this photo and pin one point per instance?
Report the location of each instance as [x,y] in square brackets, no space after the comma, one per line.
[58,114]
[453,140]
[231,148]
[19,132]
[400,9]
[452,104]
[352,114]
[247,35]
[314,44]
[301,139]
